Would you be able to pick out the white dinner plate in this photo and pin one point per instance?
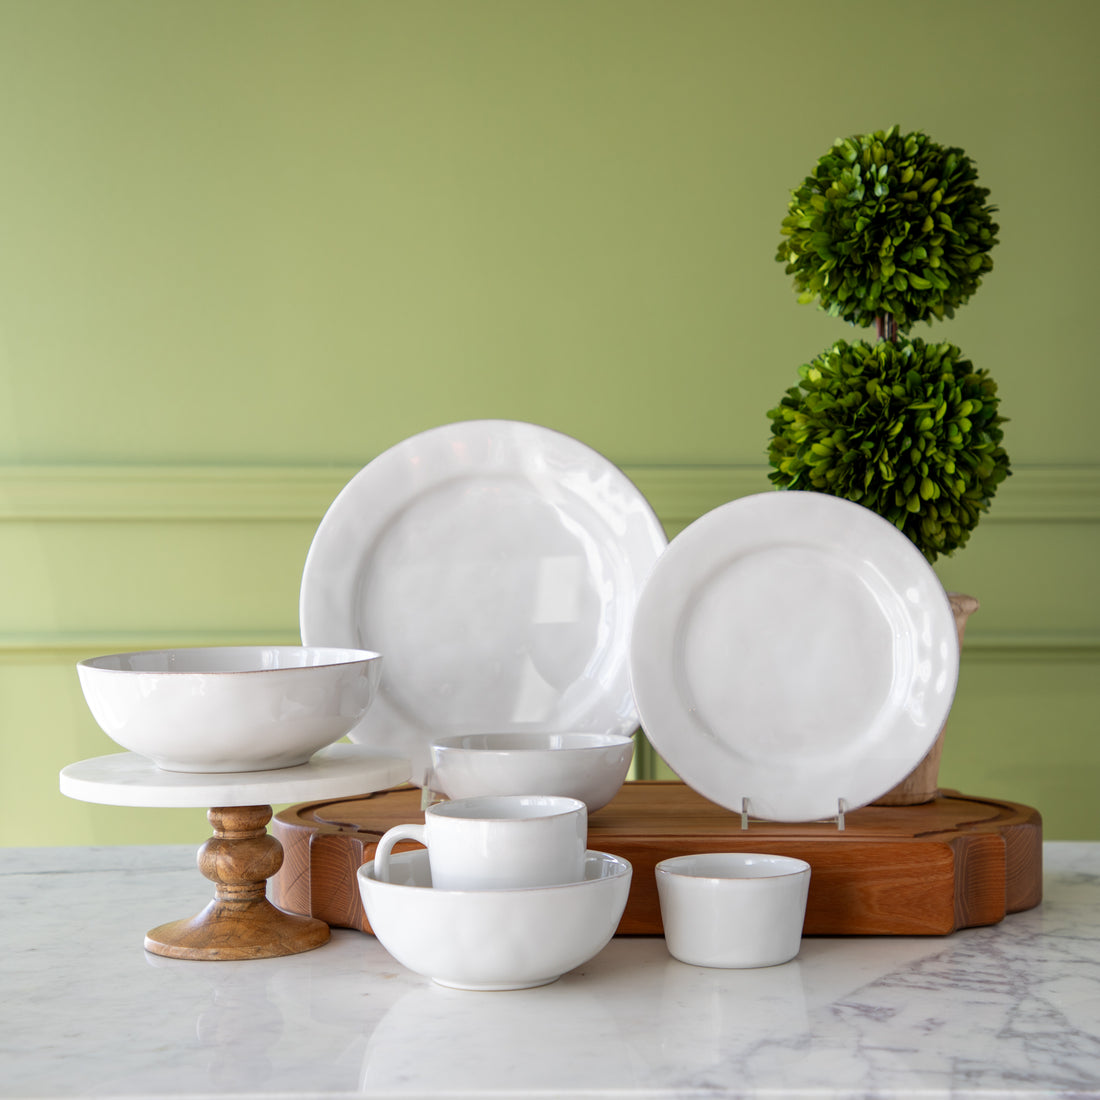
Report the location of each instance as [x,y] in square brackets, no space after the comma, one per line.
[792,649]
[496,566]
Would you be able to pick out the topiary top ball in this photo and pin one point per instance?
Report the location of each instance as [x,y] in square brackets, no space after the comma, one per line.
[908,429]
[891,225]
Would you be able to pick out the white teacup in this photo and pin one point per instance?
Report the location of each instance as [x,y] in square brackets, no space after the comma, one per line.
[497,843]
[733,909]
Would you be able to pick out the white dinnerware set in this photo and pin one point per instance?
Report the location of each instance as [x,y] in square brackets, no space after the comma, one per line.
[507,895]
[588,766]
[786,654]
[733,909]
[225,709]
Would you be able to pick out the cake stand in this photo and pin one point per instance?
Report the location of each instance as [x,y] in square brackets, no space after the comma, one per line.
[239,923]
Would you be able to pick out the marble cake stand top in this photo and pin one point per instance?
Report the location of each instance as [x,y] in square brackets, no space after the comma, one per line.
[129,779]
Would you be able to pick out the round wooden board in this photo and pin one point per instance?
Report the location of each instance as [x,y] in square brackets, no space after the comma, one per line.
[955,862]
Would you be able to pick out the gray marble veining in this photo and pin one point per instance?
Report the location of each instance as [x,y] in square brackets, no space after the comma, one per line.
[1012,1010]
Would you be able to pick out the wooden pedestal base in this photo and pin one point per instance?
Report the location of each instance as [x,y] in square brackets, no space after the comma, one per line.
[240,923]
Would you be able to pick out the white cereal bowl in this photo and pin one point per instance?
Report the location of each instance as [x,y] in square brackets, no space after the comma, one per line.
[493,939]
[588,766]
[230,708]
[733,909]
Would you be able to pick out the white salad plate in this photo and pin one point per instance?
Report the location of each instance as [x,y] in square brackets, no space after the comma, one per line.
[793,649]
[497,566]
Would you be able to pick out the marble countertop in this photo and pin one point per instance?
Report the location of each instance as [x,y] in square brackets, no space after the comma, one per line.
[1012,1010]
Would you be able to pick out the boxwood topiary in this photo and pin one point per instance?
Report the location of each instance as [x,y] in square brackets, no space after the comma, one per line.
[908,429]
[889,225]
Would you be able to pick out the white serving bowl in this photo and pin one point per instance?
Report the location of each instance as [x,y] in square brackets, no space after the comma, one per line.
[230,708]
[733,909]
[588,766]
[493,939]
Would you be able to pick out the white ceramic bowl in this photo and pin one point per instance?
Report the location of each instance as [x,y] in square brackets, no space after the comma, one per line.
[733,909]
[230,708]
[588,766]
[494,939]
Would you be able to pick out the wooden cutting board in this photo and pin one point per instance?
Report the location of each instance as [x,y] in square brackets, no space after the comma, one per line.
[955,862]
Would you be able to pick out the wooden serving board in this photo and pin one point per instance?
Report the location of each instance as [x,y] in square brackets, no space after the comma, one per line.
[955,862]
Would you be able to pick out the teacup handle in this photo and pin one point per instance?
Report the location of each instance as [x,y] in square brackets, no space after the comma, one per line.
[389,839]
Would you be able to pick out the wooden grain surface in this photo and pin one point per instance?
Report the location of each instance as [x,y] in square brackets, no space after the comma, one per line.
[240,923]
[955,862]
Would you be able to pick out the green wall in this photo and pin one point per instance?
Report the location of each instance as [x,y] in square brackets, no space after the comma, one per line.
[246,245]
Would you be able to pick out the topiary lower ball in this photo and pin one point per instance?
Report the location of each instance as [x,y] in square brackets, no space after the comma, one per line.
[908,429]
[889,224]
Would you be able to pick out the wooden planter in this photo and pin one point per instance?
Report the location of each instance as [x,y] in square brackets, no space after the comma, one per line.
[922,783]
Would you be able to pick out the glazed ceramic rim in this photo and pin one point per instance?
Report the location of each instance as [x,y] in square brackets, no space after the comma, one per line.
[333,657]
[521,742]
[619,868]
[558,806]
[675,866]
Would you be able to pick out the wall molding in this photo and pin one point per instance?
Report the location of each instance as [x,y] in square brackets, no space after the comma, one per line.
[679,494]
[301,494]
[64,647]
